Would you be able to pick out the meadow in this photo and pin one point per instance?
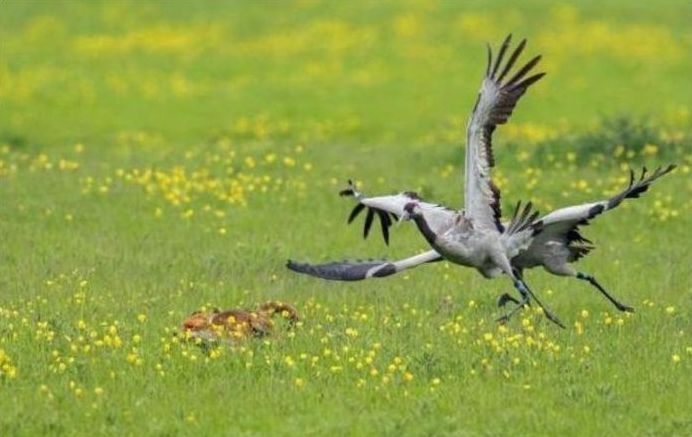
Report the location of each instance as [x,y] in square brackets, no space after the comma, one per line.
[158,158]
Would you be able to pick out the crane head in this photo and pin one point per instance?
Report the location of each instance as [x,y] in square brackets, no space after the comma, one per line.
[411,211]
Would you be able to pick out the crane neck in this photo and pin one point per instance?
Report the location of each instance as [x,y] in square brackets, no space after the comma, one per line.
[424,229]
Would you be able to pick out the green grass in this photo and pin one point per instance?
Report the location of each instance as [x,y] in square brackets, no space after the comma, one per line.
[210,140]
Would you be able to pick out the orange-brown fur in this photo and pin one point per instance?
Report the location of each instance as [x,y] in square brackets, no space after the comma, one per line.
[237,323]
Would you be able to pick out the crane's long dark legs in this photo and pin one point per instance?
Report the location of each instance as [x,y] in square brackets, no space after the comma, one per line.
[520,303]
[619,305]
[552,317]
[505,298]
[527,294]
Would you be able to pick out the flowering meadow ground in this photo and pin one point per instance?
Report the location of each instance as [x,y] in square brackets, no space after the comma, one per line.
[157,158]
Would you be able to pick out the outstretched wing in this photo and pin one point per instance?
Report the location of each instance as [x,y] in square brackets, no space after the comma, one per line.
[358,270]
[496,101]
[389,208]
[562,226]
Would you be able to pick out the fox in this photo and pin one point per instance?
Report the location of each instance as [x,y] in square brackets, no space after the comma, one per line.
[236,324]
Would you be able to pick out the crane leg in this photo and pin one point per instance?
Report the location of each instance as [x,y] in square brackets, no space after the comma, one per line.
[619,305]
[520,304]
[528,295]
[505,298]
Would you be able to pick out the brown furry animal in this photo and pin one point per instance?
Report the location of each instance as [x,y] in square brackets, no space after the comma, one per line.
[236,324]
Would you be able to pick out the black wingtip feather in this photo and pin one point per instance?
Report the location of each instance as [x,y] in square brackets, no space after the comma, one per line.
[385,222]
[490,61]
[356,210]
[500,55]
[522,71]
[512,59]
[368,222]
[638,186]
[524,84]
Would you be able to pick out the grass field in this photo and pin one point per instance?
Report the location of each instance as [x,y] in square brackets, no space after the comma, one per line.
[157,158]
